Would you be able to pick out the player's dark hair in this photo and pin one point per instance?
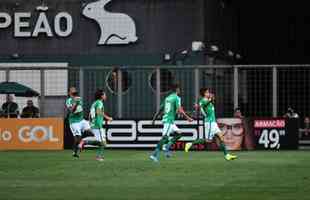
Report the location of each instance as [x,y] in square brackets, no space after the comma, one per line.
[174,87]
[98,94]
[72,93]
[203,91]
[115,69]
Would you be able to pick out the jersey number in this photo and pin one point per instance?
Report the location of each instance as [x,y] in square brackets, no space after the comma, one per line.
[167,107]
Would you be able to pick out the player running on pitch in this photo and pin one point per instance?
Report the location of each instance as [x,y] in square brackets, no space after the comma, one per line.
[74,105]
[212,130]
[97,116]
[170,107]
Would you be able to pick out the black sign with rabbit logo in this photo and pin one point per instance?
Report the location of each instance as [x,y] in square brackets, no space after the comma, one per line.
[116,28]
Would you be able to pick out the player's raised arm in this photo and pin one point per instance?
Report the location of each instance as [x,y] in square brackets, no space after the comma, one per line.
[73,101]
[180,110]
[71,107]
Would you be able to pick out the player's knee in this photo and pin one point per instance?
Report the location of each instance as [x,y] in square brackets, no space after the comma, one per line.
[103,142]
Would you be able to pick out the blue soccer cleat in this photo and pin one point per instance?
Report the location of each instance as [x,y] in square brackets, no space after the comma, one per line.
[167,151]
[154,158]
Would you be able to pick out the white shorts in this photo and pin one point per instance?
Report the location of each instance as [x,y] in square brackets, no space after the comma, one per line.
[170,128]
[211,129]
[99,134]
[79,127]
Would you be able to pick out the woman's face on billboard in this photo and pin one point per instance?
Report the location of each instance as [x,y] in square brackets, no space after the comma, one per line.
[233,131]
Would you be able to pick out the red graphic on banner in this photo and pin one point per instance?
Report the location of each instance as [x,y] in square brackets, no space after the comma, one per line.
[271,123]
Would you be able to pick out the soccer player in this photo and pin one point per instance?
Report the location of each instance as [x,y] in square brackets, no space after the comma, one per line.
[97,115]
[170,107]
[212,130]
[74,105]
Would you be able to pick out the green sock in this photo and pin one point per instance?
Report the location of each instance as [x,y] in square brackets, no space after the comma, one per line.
[174,139]
[92,142]
[160,144]
[223,148]
[100,150]
[198,141]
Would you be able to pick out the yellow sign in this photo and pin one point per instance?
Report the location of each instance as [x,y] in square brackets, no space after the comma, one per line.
[32,134]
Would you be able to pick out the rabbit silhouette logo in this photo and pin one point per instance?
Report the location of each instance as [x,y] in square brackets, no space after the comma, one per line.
[116,28]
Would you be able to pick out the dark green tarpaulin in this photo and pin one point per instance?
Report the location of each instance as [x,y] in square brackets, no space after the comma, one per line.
[17,89]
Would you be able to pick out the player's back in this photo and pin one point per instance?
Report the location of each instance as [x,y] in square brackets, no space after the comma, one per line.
[171,104]
[96,120]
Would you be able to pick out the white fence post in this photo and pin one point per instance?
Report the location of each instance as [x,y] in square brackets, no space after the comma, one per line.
[274,91]
[157,88]
[236,87]
[119,93]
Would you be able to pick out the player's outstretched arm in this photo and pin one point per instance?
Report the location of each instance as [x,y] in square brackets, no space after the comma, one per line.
[107,117]
[181,111]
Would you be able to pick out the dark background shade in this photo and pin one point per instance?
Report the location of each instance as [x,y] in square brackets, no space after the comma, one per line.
[264,32]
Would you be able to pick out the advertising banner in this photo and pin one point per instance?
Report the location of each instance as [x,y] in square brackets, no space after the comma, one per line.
[238,134]
[31,134]
[275,133]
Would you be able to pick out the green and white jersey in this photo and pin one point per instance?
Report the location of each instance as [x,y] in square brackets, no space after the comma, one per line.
[171,104]
[77,115]
[96,120]
[207,110]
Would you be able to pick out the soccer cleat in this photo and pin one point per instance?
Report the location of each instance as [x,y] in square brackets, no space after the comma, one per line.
[230,157]
[154,158]
[188,146]
[81,145]
[99,158]
[233,157]
[167,151]
[75,155]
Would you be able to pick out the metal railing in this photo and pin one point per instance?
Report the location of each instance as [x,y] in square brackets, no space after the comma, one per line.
[258,90]
[49,79]
[136,91]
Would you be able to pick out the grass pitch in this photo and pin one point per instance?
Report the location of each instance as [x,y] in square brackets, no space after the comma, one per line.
[131,175]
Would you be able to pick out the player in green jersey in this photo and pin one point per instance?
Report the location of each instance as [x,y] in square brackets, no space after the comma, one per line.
[74,105]
[97,116]
[212,131]
[170,107]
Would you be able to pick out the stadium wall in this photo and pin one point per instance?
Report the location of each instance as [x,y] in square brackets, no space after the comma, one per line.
[161,27]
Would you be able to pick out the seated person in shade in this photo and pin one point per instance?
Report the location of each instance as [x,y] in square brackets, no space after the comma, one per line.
[1,112]
[30,111]
[10,108]
[304,132]
[291,113]
[307,124]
